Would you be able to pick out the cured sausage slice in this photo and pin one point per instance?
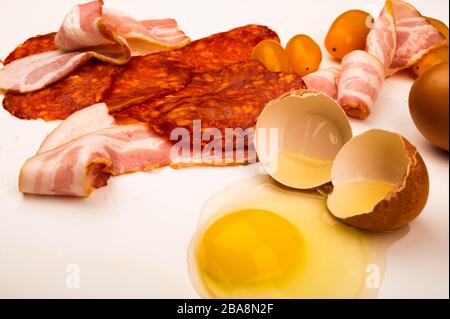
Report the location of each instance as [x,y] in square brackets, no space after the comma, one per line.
[220,99]
[163,73]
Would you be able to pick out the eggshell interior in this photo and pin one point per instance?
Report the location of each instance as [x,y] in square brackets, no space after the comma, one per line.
[375,155]
[298,136]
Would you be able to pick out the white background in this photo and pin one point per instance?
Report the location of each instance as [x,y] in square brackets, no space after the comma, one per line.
[130,238]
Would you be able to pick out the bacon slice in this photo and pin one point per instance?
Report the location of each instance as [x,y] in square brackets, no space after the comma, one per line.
[86,149]
[399,38]
[415,36]
[36,71]
[78,167]
[82,28]
[360,80]
[382,39]
[324,81]
[89,31]
[88,120]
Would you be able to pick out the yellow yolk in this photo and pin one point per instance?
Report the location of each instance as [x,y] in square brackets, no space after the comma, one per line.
[251,246]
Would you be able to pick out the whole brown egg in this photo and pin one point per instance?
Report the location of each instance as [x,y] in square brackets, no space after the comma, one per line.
[428,105]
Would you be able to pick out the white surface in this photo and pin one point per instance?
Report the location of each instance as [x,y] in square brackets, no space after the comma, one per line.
[130,239]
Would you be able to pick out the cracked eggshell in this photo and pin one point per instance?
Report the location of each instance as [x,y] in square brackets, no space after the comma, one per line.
[298,135]
[386,157]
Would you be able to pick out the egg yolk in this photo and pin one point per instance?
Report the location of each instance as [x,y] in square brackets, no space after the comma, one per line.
[250,246]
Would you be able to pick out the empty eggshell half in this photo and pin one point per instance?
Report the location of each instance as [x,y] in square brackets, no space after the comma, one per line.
[299,135]
[380,182]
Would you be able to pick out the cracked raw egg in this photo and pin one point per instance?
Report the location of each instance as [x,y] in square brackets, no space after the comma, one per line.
[259,239]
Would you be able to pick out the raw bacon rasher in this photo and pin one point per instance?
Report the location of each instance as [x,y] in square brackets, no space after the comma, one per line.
[360,80]
[89,30]
[324,81]
[81,155]
[94,118]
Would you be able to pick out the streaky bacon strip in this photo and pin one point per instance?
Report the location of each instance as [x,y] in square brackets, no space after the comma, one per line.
[89,31]
[360,80]
[415,36]
[88,120]
[78,167]
[382,39]
[38,70]
[324,81]
[158,32]
[399,38]
[81,28]
[86,149]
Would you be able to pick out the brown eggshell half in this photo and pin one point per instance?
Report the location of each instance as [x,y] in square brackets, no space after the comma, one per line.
[403,203]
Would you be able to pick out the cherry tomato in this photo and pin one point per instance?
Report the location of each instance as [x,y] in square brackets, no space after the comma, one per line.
[348,33]
[272,55]
[304,54]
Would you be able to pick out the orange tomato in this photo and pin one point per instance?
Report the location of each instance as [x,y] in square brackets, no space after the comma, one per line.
[272,55]
[304,54]
[348,33]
